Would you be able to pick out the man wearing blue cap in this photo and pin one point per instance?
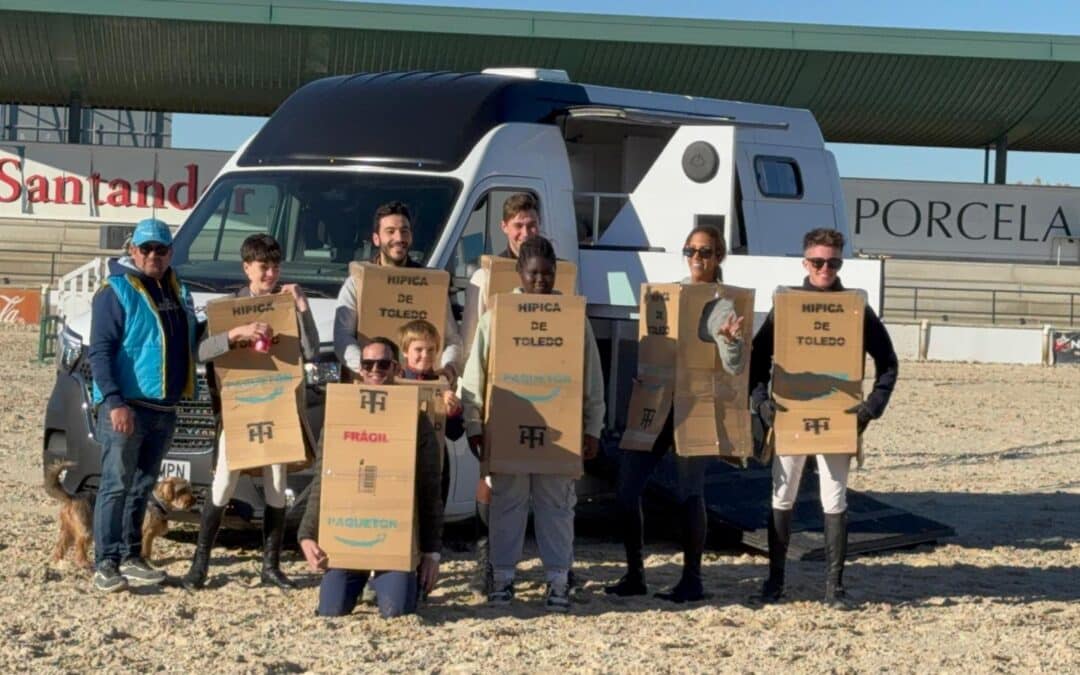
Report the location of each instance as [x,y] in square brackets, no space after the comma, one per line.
[142,342]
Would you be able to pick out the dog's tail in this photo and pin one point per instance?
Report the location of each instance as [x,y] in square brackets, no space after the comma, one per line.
[53,488]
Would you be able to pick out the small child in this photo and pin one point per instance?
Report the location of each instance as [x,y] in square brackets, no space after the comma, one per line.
[419,343]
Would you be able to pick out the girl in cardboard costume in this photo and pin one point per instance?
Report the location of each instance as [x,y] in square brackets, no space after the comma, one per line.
[261,255]
[704,250]
[553,496]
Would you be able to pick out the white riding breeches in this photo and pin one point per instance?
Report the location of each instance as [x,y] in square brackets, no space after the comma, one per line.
[832,476]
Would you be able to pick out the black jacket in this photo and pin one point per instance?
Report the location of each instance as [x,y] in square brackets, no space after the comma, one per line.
[876,342]
[429,503]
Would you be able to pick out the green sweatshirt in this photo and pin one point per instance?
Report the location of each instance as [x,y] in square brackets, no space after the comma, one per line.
[474,382]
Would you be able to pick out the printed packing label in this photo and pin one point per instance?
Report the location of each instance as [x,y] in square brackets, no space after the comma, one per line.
[533,416]
[818,363]
[387,298]
[368,499]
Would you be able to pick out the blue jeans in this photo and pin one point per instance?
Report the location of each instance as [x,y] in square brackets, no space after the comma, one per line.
[396,592]
[129,470]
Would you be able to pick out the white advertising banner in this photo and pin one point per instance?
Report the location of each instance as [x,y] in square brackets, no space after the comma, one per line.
[1015,223]
[112,184]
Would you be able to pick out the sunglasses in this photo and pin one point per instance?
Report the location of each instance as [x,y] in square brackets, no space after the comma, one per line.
[833,263]
[377,365]
[161,249]
[704,252]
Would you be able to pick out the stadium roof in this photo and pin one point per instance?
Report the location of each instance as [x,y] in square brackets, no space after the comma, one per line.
[864,85]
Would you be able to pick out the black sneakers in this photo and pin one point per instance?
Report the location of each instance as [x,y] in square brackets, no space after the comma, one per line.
[108,579]
[137,572]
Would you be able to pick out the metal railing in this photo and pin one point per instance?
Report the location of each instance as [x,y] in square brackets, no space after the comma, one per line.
[41,267]
[980,305]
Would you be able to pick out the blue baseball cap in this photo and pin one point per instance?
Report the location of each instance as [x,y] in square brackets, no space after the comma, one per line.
[151,230]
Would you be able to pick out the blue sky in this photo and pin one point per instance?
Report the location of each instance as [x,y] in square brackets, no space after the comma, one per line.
[1040,16]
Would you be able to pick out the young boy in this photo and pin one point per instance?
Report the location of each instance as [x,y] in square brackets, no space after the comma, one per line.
[261,255]
[419,343]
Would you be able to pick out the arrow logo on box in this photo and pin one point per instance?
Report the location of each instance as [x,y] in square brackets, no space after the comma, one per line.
[262,399]
[361,543]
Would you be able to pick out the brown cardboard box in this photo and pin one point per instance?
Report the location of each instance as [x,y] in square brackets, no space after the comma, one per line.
[259,391]
[653,391]
[387,298]
[678,366]
[431,402]
[817,370]
[502,277]
[533,420]
[712,416]
[367,509]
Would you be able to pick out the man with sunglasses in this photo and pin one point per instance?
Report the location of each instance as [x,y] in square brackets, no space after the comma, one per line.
[142,342]
[822,251]
[396,592]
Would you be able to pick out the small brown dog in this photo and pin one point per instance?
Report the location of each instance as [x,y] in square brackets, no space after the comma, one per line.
[77,514]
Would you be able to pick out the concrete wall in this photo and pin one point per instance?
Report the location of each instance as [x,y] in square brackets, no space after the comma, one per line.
[978,344]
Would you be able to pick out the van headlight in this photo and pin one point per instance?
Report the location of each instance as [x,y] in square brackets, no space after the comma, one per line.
[71,349]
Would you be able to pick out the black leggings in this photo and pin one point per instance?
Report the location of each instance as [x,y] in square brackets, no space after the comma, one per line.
[635,469]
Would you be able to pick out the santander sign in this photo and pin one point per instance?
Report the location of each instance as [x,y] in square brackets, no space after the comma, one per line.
[120,192]
[102,184]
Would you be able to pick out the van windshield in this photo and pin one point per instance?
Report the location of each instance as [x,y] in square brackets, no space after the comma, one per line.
[323,220]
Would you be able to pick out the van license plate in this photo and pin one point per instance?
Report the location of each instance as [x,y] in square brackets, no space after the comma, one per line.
[171,468]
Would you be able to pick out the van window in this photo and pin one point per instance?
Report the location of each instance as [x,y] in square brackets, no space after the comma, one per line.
[321,219]
[482,233]
[778,177]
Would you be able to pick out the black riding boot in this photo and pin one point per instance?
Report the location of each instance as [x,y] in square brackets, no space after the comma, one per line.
[835,553]
[209,524]
[779,537]
[689,588]
[273,536]
[633,534]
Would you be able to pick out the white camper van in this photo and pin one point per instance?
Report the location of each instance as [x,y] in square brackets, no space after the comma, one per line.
[621,177]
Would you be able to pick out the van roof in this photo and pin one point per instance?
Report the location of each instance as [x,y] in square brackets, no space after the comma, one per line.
[427,120]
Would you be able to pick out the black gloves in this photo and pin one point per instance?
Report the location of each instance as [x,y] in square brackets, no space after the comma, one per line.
[862,415]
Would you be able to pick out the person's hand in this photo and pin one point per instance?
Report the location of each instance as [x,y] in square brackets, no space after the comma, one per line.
[476,445]
[122,419]
[731,329]
[863,416]
[450,374]
[591,447]
[315,556]
[428,573]
[452,403]
[250,332]
[298,296]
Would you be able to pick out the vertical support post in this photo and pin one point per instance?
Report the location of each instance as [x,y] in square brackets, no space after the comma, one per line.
[1001,151]
[74,119]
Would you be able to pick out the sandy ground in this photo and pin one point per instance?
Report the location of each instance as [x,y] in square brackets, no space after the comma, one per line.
[991,450]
